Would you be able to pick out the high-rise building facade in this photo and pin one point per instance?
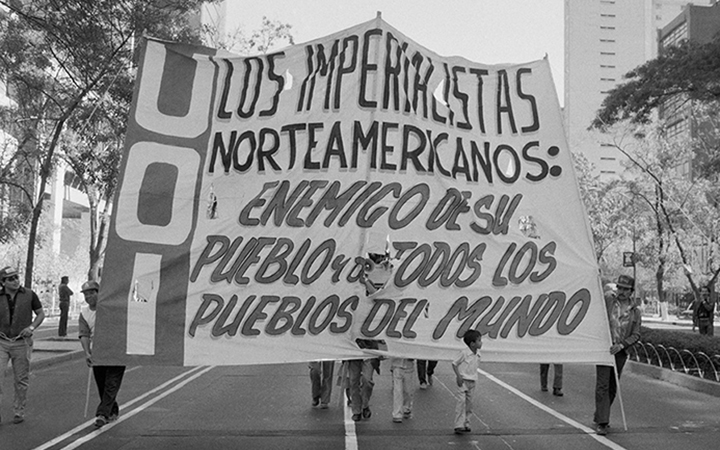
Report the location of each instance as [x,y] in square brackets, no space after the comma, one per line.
[699,24]
[605,39]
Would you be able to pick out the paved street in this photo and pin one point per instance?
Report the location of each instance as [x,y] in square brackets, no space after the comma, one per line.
[268,407]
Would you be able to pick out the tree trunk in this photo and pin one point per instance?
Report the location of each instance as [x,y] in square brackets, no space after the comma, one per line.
[45,171]
[32,237]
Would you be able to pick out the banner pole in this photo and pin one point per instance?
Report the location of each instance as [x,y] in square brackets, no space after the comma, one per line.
[619,394]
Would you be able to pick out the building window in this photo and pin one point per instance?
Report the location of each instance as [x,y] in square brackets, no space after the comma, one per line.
[675,106]
[677,35]
[609,16]
[607,40]
[607,79]
[604,27]
[678,130]
[606,66]
[608,53]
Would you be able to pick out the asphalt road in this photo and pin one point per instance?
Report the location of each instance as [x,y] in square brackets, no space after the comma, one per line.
[268,407]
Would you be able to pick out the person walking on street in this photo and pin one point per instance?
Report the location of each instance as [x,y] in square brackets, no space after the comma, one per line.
[358,373]
[64,294]
[17,306]
[557,378]
[425,370]
[465,366]
[625,319]
[321,379]
[108,378]
[403,388]
[705,313]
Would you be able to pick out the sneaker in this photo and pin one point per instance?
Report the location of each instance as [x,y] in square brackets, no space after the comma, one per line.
[100,421]
[423,386]
[557,392]
[601,430]
[366,413]
[543,388]
[397,419]
[323,406]
[113,417]
[429,377]
[356,417]
[407,415]
[18,419]
[459,430]
[315,402]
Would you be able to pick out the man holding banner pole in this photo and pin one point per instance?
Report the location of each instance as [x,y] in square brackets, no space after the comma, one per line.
[107,378]
[625,319]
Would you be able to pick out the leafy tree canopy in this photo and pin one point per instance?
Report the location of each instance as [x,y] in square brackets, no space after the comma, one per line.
[689,69]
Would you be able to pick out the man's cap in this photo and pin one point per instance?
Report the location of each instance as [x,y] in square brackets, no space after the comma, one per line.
[7,272]
[90,285]
[625,281]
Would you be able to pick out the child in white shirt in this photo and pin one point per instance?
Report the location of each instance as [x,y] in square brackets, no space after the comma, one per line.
[465,366]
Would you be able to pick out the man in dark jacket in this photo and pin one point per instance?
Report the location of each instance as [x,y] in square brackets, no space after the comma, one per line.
[64,294]
[17,306]
[625,319]
[705,313]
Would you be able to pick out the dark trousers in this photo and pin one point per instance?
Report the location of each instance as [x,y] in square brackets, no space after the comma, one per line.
[557,379]
[321,373]
[62,327]
[706,326]
[606,388]
[108,380]
[425,369]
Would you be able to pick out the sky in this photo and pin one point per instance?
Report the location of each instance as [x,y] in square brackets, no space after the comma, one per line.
[483,31]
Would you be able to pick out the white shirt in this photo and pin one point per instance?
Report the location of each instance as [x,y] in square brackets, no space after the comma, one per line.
[467,363]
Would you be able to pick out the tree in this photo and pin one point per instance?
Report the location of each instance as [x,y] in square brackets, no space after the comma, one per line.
[690,70]
[681,213]
[72,82]
[59,58]
[93,146]
[269,36]
[604,205]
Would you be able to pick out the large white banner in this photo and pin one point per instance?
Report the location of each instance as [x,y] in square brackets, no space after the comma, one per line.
[255,190]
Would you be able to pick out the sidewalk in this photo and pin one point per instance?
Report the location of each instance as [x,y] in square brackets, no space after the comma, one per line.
[672,320]
[47,352]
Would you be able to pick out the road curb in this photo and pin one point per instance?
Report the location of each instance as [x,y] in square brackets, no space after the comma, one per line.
[44,363]
[57,359]
[677,378]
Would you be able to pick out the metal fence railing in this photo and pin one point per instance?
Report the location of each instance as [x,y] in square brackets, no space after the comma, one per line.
[696,364]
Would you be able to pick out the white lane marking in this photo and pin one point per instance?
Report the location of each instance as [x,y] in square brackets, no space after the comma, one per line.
[83,425]
[350,435]
[140,408]
[590,432]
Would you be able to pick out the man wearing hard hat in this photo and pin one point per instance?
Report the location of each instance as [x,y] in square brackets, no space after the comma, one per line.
[107,378]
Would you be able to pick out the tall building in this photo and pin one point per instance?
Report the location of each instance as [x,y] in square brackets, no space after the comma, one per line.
[605,39]
[700,24]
